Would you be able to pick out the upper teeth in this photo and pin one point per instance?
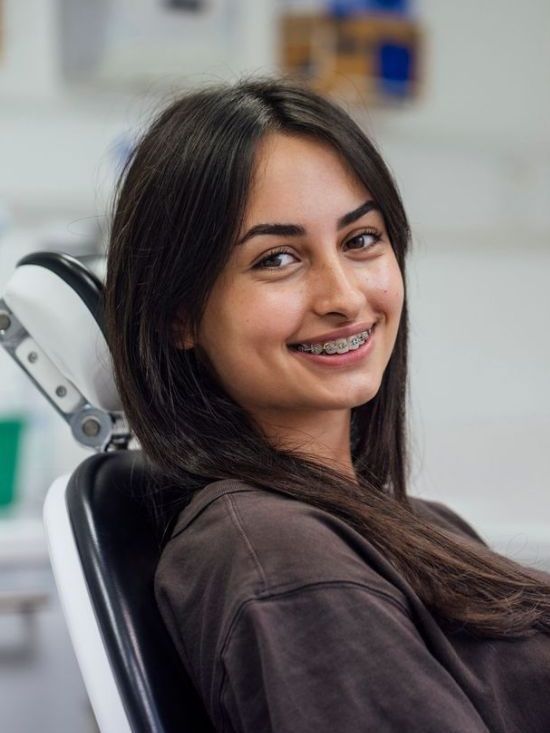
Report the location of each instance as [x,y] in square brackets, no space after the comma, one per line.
[338,346]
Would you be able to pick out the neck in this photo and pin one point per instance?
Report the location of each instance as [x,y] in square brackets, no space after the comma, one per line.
[324,437]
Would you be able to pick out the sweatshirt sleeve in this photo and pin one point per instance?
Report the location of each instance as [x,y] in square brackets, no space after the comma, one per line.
[336,656]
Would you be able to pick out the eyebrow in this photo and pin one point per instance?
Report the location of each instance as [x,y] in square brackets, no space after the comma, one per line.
[295,230]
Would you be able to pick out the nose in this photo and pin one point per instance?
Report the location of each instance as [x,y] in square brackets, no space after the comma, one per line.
[337,287]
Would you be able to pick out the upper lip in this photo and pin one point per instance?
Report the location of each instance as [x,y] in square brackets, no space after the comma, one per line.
[355,328]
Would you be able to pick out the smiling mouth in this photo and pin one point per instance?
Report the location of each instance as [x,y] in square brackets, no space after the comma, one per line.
[335,347]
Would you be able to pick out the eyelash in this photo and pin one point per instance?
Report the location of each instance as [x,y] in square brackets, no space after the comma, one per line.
[283,251]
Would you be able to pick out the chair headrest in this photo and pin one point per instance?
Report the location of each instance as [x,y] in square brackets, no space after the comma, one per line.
[60,303]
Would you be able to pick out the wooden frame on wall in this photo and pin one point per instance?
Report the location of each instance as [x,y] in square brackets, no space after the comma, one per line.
[375,55]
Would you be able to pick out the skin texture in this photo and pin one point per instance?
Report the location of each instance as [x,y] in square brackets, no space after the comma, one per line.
[330,278]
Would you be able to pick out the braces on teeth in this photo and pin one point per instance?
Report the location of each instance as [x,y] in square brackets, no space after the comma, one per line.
[340,346]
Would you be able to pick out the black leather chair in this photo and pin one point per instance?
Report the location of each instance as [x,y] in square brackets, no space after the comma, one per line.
[119,547]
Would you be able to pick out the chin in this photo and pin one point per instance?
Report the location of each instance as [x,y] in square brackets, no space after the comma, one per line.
[362,394]
[353,401]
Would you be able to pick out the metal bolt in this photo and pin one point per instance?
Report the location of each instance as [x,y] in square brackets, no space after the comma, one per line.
[5,322]
[61,391]
[32,357]
[91,427]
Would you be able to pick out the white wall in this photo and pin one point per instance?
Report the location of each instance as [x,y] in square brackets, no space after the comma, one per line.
[473,163]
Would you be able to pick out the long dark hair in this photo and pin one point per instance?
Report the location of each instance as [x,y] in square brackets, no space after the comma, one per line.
[178,209]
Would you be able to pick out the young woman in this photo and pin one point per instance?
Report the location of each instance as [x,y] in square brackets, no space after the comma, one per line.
[257,316]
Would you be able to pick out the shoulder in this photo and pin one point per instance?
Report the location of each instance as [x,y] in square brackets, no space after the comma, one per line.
[262,542]
[445,517]
[235,544]
[242,558]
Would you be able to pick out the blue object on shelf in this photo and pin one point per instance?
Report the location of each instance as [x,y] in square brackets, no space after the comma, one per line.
[390,6]
[395,68]
[345,8]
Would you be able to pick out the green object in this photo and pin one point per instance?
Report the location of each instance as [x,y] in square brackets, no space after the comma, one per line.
[10,436]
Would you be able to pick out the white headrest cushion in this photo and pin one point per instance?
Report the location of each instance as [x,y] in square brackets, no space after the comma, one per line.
[60,322]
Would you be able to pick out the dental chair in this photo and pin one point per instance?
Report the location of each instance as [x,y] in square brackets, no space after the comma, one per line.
[103,539]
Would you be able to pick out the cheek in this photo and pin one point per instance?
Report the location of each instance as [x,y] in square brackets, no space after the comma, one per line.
[242,324]
[270,314]
[279,315]
[388,290]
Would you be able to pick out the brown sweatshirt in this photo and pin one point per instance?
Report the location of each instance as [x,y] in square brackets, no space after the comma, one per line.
[289,621]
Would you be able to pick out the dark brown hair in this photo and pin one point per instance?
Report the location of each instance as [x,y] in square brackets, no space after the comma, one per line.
[179,207]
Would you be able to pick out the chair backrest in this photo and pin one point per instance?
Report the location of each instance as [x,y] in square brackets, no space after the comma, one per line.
[119,549]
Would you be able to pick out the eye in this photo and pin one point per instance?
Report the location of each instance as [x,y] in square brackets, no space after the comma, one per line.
[369,234]
[273,255]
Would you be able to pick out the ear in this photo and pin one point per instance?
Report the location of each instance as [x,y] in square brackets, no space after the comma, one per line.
[181,337]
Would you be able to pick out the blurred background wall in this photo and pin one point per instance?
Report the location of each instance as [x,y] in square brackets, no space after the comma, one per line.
[469,145]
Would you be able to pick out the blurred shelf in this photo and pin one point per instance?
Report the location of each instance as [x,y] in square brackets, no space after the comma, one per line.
[22,601]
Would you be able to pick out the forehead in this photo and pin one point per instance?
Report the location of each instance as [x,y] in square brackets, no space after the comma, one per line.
[300,175]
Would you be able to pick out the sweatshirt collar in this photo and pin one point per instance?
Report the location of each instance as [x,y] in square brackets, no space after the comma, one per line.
[206,496]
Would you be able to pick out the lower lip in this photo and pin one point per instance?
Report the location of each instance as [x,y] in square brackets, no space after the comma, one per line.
[339,360]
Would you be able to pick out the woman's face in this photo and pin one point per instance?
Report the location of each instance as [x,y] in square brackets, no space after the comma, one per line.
[338,270]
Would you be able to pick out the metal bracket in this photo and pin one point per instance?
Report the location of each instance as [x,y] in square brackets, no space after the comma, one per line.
[91,426]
